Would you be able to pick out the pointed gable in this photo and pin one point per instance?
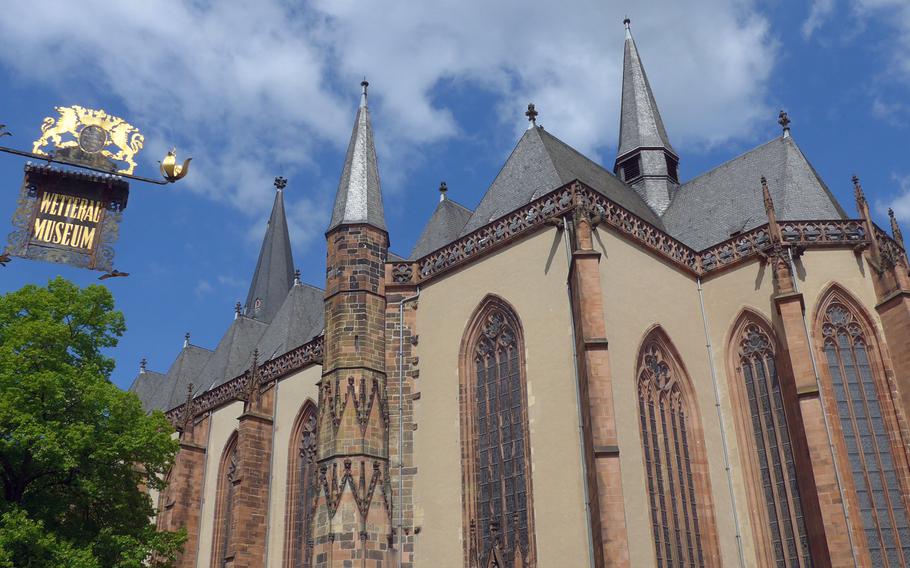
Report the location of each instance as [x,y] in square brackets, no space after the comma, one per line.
[541,163]
[274,273]
[728,199]
[359,197]
[299,320]
[185,369]
[444,226]
[234,353]
[149,386]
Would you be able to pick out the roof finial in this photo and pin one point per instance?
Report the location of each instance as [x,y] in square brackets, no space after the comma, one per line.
[280,183]
[895,228]
[531,113]
[186,339]
[784,120]
[237,310]
[627,23]
[443,188]
[142,364]
[363,96]
[296,277]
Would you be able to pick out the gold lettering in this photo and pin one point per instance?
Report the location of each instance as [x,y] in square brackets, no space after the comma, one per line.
[88,238]
[58,233]
[46,202]
[97,216]
[39,227]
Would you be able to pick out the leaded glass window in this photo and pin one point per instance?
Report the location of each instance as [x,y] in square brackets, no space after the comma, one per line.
[869,451]
[667,444]
[224,514]
[777,473]
[497,452]
[303,490]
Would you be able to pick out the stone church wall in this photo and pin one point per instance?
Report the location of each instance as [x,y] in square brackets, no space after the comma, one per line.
[292,394]
[531,276]
[224,424]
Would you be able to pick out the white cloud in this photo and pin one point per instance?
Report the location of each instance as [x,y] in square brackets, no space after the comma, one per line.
[250,88]
[901,203]
[818,14]
[203,288]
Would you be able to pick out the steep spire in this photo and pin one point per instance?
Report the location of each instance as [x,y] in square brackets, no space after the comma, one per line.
[640,123]
[645,159]
[359,197]
[274,273]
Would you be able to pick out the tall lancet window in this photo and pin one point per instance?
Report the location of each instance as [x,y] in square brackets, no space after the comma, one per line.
[776,509]
[227,474]
[499,515]
[302,490]
[868,422]
[676,470]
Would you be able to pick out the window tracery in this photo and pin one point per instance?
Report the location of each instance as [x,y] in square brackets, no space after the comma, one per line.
[225,505]
[848,352]
[302,490]
[776,476]
[497,461]
[667,438]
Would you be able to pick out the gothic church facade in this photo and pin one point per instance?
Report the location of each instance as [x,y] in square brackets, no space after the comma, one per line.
[591,368]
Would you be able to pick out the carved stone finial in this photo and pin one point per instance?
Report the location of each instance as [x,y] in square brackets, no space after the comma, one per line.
[896,229]
[784,120]
[858,192]
[186,339]
[142,365]
[280,183]
[187,417]
[297,277]
[237,308]
[531,113]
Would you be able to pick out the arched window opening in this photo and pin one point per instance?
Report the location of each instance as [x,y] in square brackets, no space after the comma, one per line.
[302,490]
[675,470]
[778,514]
[227,474]
[858,391]
[498,498]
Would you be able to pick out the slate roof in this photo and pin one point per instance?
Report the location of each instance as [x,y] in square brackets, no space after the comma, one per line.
[148,386]
[640,124]
[444,226]
[541,163]
[184,370]
[359,197]
[299,320]
[728,199]
[234,353]
[274,274]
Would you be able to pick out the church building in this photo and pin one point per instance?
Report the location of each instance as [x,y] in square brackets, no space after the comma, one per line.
[595,366]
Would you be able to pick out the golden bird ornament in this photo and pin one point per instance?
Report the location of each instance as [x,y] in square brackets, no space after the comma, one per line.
[170,169]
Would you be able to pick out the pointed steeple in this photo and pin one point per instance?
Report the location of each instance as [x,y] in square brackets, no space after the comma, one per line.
[645,159]
[274,273]
[359,197]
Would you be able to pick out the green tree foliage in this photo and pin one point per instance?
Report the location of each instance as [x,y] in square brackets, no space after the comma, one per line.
[74,448]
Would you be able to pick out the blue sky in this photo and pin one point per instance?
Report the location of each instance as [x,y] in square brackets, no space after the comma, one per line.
[253,90]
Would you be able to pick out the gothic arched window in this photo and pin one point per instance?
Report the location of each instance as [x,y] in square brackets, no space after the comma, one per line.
[499,513]
[302,490]
[676,470]
[776,509]
[224,497]
[872,440]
